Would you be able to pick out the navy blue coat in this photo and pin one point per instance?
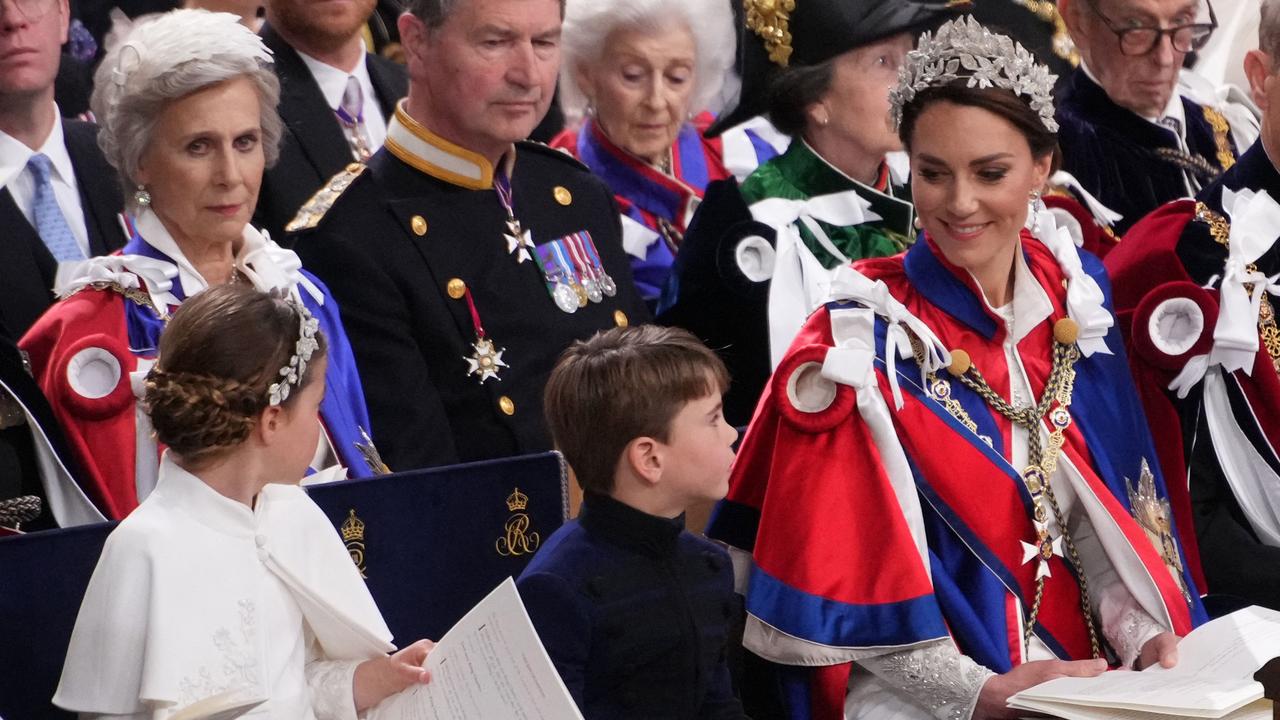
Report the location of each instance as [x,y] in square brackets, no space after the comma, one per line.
[1123,159]
[634,612]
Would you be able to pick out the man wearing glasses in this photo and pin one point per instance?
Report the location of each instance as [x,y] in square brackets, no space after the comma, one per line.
[1218,422]
[1126,133]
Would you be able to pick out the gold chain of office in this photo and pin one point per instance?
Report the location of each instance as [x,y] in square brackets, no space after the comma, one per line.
[1042,460]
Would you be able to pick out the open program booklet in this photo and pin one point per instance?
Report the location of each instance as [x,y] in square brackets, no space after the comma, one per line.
[489,665]
[1213,678]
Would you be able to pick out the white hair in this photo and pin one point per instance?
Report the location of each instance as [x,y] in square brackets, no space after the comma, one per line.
[588,23]
[1269,31]
[160,58]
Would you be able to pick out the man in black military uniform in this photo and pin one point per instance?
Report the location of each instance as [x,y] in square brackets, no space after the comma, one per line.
[463,259]
[317,52]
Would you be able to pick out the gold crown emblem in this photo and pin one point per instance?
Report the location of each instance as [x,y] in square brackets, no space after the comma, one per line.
[517,501]
[352,528]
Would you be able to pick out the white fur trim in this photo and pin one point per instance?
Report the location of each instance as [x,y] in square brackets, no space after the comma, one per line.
[1176,325]
[808,391]
[755,258]
[93,373]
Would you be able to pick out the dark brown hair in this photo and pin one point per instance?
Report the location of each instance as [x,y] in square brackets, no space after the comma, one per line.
[994,100]
[792,90]
[622,384]
[218,357]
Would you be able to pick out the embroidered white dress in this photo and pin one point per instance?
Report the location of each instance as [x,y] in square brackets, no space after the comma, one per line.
[197,594]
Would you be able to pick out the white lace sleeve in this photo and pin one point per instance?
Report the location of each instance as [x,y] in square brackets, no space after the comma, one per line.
[332,685]
[937,676]
[1124,622]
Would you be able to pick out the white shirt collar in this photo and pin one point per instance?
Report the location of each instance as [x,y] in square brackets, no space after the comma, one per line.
[14,155]
[1031,304]
[1173,110]
[333,81]
[266,265]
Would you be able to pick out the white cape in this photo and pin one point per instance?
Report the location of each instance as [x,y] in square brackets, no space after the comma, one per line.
[167,604]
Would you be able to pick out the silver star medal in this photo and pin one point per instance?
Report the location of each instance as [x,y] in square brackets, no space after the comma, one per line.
[486,360]
[1045,548]
[519,240]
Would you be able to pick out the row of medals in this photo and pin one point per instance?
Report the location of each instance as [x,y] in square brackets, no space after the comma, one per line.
[569,294]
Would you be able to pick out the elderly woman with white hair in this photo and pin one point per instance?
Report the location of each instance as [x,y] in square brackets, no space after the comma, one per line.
[187,105]
[645,73]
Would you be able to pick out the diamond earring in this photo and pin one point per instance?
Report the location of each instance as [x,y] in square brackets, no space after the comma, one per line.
[142,197]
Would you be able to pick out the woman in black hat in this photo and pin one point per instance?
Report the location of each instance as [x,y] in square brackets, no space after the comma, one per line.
[756,258]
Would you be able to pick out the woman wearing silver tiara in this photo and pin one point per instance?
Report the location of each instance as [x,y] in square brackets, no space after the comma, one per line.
[227,586]
[187,104]
[949,492]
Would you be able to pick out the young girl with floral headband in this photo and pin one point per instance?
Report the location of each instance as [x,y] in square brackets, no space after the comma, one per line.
[949,492]
[228,583]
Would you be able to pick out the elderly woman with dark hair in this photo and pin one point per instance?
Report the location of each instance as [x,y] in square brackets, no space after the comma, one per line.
[757,257]
[645,73]
[187,107]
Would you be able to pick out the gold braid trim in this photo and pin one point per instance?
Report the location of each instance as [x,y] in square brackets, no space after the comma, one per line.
[1220,231]
[1221,136]
[136,295]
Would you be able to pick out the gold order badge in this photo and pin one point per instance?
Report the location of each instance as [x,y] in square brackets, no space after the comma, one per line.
[517,538]
[353,537]
[1155,518]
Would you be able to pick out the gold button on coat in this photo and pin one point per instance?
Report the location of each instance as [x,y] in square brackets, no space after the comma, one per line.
[562,195]
[620,318]
[507,405]
[419,225]
[456,288]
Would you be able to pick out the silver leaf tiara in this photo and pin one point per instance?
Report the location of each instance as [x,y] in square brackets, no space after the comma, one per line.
[291,375]
[964,48]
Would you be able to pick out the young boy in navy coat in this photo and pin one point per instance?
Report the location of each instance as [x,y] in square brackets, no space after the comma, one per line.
[633,609]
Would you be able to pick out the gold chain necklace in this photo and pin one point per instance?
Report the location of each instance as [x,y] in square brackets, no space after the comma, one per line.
[1042,461]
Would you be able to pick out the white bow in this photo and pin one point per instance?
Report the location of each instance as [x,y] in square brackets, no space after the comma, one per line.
[1084,297]
[1255,221]
[1102,215]
[131,272]
[271,267]
[849,284]
[800,281]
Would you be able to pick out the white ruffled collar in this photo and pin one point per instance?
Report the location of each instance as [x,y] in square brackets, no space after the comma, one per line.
[258,258]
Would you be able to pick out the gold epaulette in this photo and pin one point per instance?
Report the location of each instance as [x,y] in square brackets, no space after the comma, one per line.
[313,210]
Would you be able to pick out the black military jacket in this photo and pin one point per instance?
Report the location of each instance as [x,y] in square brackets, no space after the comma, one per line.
[408,247]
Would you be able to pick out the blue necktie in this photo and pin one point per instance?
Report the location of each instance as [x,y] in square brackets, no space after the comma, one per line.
[50,224]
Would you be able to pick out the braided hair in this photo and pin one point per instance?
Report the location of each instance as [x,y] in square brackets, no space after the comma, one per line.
[218,356]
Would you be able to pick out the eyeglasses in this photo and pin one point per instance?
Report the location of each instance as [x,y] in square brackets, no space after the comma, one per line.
[1142,40]
[31,10]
